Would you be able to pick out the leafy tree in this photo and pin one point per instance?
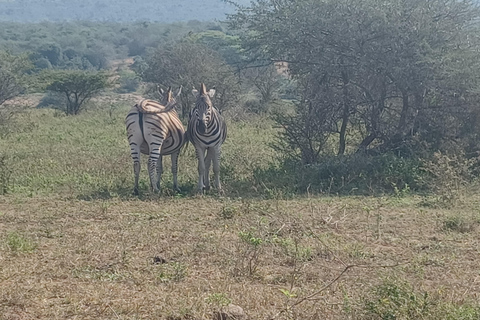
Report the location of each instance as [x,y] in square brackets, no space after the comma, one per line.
[42,63]
[266,80]
[189,64]
[77,86]
[13,79]
[227,46]
[391,73]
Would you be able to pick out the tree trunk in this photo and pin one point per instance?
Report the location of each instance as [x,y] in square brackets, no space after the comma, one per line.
[366,142]
[374,120]
[345,115]
[402,123]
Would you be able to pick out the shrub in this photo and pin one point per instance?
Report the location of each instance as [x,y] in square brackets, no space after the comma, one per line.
[394,299]
[349,174]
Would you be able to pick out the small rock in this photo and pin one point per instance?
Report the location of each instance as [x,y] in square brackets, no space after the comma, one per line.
[230,312]
[159,260]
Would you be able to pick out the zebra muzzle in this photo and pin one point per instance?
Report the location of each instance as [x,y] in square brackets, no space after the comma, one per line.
[201,127]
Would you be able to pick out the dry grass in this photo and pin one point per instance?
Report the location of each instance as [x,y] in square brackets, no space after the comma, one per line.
[170,258]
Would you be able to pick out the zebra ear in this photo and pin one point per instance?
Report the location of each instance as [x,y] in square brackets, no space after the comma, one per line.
[195,92]
[211,92]
[178,92]
[160,92]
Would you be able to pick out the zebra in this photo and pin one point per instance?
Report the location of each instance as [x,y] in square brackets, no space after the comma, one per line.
[154,128]
[206,131]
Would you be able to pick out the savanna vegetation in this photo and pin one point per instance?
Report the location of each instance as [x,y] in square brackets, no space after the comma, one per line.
[75,242]
[349,171]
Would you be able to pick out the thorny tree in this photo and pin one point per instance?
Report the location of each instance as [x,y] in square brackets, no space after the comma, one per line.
[376,74]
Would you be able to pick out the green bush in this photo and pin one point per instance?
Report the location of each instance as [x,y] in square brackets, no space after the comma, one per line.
[16,242]
[349,174]
[394,299]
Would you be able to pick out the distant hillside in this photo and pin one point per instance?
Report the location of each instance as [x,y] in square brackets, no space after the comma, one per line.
[167,11]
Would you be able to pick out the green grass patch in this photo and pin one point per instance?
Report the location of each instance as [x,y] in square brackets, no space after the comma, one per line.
[395,299]
[87,156]
[17,242]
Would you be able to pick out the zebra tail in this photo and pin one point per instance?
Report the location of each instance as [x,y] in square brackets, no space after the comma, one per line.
[184,147]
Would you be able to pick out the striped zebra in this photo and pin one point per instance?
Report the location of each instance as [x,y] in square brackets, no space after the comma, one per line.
[207,131]
[154,128]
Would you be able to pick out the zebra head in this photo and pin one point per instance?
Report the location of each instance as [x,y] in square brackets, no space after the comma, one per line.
[202,112]
[167,96]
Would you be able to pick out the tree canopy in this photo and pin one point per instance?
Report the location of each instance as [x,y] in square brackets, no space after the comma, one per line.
[188,64]
[387,72]
[77,86]
[13,77]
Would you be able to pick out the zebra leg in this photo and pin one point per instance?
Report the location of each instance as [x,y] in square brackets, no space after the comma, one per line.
[159,171]
[136,171]
[135,152]
[201,167]
[152,168]
[216,167]
[208,161]
[174,157]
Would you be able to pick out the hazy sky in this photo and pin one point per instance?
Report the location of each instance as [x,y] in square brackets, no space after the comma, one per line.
[114,10]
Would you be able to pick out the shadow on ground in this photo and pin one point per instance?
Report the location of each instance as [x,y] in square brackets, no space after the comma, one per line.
[231,189]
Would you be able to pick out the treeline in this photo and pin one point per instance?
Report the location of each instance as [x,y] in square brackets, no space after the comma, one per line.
[163,54]
[91,45]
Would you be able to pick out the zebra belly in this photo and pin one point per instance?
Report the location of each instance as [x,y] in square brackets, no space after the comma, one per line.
[167,147]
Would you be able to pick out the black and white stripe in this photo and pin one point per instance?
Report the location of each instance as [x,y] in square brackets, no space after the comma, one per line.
[207,131]
[154,128]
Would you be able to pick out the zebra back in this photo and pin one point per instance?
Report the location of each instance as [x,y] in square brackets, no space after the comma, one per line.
[154,128]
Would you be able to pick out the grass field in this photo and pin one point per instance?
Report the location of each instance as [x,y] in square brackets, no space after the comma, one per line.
[75,244]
